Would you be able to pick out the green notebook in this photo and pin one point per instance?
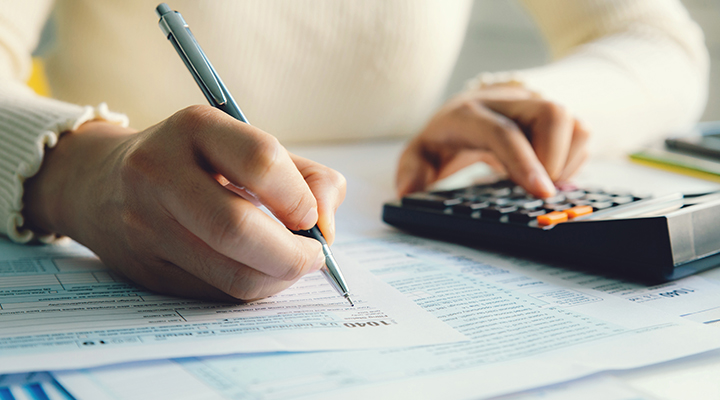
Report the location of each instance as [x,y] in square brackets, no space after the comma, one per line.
[660,156]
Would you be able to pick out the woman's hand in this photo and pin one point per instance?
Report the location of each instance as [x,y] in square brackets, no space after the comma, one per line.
[535,141]
[153,206]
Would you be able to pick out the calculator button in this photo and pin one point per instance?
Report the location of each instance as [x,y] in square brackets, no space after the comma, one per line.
[525,215]
[469,207]
[495,212]
[488,191]
[575,194]
[620,192]
[557,207]
[427,200]
[579,211]
[468,196]
[559,198]
[528,204]
[552,218]
[597,197]
[595,190]
[518,190]
[499,201]
[623,200]
[500,192]
[580,202]
[601,205]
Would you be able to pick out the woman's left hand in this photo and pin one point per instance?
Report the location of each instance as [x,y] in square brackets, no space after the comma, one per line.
[537,142]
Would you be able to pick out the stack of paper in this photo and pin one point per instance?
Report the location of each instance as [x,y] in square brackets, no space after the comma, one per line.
[433,321]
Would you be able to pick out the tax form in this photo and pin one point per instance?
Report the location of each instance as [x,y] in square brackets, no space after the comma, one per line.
[695,298]
[61,308]
[524,332]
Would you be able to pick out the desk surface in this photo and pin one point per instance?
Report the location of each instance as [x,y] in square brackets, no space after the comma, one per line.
[370,171]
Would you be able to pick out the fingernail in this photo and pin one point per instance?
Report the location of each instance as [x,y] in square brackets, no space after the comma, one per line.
[542,183]
[309,220]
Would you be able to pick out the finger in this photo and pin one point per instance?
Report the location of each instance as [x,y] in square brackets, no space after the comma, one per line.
[415,171]
[253,160]
[465,158]
[211,271]
[495,132]
[169,279]
[578,152]
[159,275]
[470,125]
[514,151]
[234,227]
[574,167]
[550,128]
[328,186]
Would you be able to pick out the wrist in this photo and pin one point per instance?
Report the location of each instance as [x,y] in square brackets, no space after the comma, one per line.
[59,194]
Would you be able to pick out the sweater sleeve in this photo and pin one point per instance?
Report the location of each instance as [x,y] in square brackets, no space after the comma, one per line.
[28,123]
[631,70]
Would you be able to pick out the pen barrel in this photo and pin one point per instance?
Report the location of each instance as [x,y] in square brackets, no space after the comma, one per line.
[178,32]
[231,108]
[332,272]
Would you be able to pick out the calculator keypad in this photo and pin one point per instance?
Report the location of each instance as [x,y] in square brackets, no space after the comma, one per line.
[506,202]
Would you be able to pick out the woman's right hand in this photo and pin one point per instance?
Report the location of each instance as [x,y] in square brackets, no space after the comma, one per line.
[153,206]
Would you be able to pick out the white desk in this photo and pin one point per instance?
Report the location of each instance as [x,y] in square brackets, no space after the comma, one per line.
[370,171]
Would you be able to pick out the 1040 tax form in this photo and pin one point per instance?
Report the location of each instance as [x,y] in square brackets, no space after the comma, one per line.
[61,308]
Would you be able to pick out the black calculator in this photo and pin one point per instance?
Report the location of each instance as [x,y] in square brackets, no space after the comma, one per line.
[636,236]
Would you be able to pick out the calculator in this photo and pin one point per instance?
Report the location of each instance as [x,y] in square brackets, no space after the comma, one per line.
[616,232]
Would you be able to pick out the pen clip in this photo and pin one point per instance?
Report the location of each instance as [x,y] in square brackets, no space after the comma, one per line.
[177,31]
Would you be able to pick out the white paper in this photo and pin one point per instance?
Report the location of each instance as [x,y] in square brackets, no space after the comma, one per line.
[596,388]
[60,308]
[695,298]
[524,332]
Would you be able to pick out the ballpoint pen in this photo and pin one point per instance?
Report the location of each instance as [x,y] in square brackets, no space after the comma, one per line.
[178,33]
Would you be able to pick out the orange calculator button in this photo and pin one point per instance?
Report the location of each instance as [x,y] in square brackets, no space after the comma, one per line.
[578,211]
[552,218]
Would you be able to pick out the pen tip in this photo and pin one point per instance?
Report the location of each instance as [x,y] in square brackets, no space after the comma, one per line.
[349,300]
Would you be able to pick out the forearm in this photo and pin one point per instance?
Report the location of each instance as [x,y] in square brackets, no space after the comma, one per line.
[630,70]
[628,87]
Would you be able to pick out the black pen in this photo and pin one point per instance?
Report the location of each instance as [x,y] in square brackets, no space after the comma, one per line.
[178,33]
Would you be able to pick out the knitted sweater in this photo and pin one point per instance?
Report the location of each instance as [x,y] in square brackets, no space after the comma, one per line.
[310,70]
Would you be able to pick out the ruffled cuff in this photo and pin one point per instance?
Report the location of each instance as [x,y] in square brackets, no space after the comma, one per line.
[485,79]
[27,127]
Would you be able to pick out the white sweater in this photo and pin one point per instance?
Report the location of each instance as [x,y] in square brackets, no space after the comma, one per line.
[308,70]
